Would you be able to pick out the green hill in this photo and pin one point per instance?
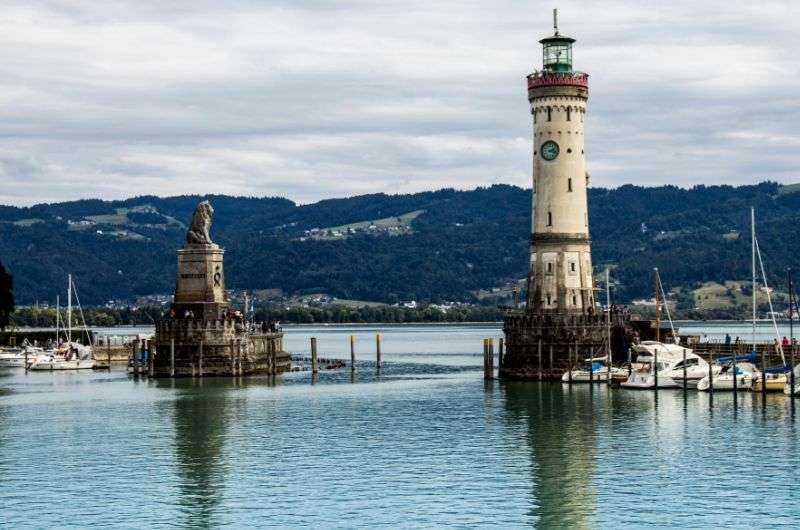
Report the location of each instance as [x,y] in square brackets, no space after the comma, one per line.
[446,245]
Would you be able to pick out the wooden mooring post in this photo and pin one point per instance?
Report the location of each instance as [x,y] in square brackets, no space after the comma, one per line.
[200,361]
[108,352]
[500,348]
[314,367]
[172,357]
[151,360]
[569,366]
[710,373]
[684,372]
[655,368]
[539,350]
[763,377]
[490,364]
[352,353]
[486,358]
[378,351]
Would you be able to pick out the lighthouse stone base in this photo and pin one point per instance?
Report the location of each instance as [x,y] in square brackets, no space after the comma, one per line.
[545,345]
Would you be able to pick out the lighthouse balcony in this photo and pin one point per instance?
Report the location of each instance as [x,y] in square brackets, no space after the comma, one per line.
[547,78]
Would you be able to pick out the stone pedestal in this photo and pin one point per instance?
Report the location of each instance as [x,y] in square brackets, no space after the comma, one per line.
[200,285]
[201,336]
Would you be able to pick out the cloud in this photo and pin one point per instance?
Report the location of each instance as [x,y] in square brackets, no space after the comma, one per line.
[318,99]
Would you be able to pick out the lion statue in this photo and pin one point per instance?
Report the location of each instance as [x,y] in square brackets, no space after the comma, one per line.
[201,222]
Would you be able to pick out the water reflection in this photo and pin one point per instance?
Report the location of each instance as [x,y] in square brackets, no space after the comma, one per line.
[200,417]
[561,439]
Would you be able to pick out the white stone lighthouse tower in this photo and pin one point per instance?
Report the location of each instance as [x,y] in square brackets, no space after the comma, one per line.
[560,274]
[559,324]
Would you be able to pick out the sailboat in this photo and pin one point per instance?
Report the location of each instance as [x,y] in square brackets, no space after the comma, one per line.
[741,373]
[69,355]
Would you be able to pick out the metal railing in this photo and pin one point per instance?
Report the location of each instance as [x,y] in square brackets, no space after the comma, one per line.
[548,78]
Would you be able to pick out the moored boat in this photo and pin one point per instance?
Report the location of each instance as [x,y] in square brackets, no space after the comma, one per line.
[69,355]
[596,372]
[746,373]
[670,359]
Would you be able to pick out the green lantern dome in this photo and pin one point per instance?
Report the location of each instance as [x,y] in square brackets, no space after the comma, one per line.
[557,50]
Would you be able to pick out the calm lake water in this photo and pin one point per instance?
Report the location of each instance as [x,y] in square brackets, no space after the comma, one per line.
[426,443]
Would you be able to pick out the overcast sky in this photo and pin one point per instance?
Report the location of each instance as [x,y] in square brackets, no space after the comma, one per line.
[315,99]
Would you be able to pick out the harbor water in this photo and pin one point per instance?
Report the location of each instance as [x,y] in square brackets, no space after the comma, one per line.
[424,443]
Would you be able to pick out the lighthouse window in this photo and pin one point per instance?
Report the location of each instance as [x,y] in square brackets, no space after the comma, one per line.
[572,266]
[549,268]
[574,300]
[569,184]
[534,116]
[548,299]
[549,218]
[549,114]
[569,112]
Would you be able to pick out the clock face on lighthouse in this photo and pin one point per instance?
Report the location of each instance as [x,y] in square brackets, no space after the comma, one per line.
[549,150]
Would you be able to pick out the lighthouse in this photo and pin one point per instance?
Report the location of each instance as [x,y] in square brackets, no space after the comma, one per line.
[559,325]
[560,270]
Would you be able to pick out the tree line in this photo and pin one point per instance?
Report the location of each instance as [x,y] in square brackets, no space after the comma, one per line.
[130,316]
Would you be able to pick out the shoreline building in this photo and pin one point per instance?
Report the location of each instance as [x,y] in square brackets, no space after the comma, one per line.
[560,321]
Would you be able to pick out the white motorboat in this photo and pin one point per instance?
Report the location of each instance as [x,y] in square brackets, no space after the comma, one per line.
[16,357]
[746,373]
[597,372]
[644,376]
[670,360]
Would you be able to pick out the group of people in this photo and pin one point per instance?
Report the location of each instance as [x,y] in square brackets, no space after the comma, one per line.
[271,326]
[785,344]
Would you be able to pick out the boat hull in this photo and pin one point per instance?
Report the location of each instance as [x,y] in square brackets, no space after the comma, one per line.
[648,381]
[44,366]
[743,382]
[774,384]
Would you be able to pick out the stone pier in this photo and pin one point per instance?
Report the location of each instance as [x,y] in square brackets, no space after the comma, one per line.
[202,335]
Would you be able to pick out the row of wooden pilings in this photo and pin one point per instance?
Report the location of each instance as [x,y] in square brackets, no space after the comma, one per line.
[488,357]
[315,358]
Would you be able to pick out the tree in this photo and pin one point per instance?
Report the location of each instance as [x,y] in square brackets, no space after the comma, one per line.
[6,297]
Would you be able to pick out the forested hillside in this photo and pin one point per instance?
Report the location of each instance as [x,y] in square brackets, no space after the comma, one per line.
[454,244]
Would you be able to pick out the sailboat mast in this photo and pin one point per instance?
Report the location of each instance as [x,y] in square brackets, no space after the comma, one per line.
[753,245]
[69,308]
[791,306]
[608,325]
[58,314]
[658,309]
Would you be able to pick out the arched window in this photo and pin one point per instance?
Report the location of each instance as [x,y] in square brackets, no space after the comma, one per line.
[574,300]
[548,299]
[534,116]
[569,114]
[549,218]
[549,114]
[569,184]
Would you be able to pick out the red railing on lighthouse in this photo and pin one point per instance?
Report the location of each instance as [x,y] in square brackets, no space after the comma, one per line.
[547,78]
